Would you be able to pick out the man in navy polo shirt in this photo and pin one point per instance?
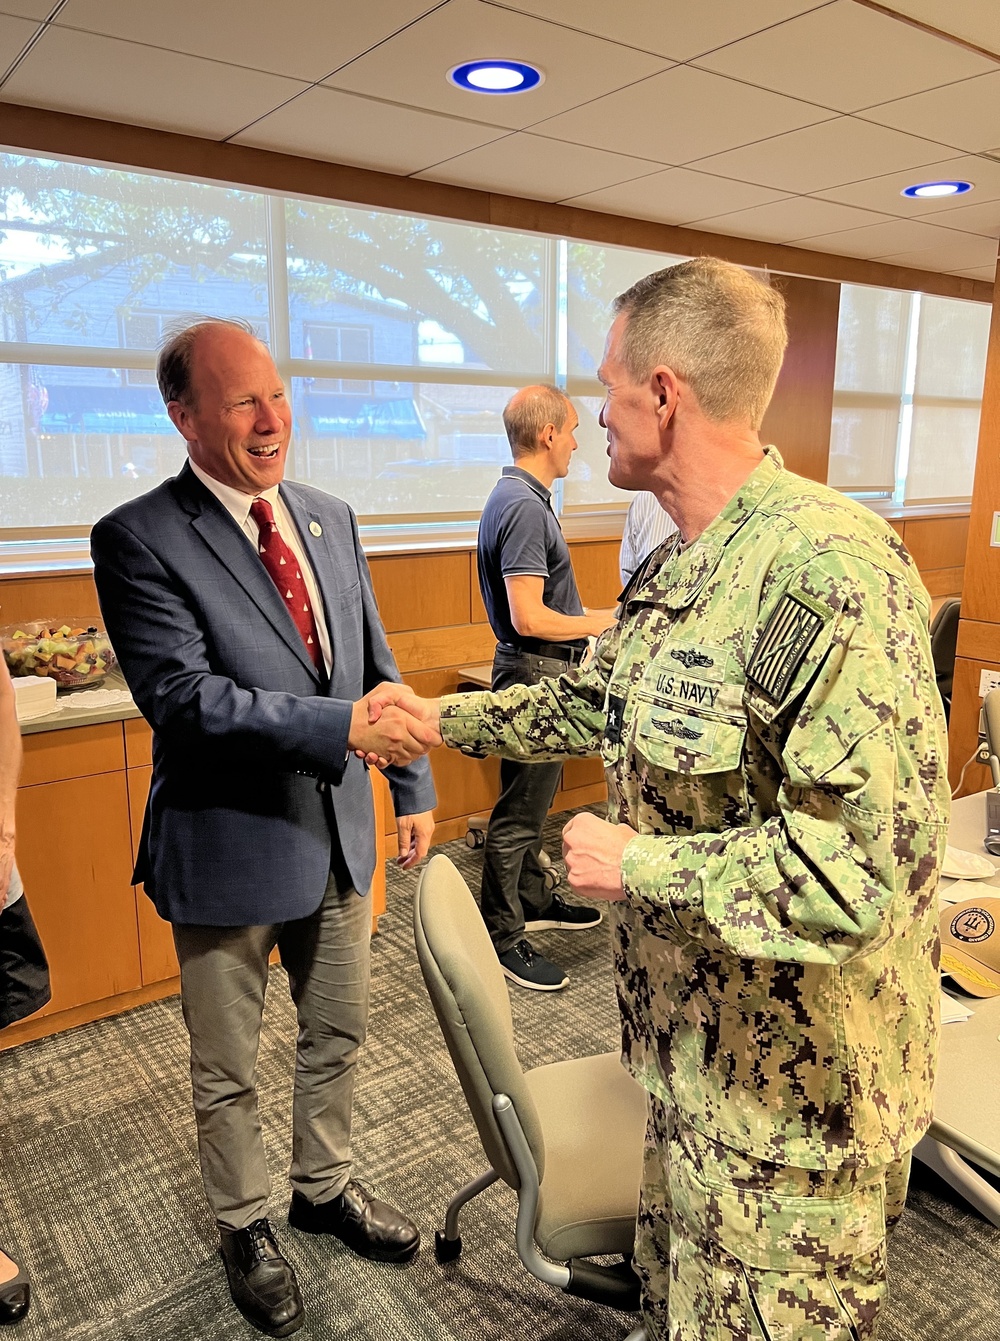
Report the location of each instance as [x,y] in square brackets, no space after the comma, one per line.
[534,609]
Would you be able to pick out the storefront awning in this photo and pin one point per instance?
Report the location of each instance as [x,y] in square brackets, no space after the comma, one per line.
[356,417]
[105,409]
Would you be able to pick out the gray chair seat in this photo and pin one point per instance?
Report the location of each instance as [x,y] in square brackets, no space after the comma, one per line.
[593,1125]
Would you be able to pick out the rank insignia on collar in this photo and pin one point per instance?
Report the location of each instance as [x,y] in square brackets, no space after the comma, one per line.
[782,647]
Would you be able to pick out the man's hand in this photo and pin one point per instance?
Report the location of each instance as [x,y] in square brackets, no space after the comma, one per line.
[389,736]
[415,834]
[601,620]
[426,711]
[592,850]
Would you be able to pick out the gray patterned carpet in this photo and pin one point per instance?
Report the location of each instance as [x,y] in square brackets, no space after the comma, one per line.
[100,1194]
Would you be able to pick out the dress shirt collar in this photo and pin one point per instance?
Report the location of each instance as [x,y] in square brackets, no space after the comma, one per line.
[236,503]
[518,473]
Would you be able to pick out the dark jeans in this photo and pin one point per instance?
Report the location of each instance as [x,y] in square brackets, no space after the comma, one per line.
[513,881]
[24,974]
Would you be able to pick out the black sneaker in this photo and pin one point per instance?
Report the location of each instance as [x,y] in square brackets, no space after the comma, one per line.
[563,916]
[526,967]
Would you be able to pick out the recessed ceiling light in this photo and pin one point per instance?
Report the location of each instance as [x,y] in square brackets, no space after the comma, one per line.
[495,76]
[929,190]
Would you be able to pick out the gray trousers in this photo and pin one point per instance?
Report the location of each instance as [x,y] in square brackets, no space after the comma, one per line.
[223,981]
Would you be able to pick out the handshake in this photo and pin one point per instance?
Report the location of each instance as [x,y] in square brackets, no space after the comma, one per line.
[391,725]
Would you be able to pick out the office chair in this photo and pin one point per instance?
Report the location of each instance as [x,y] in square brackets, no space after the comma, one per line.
[567,1137]
[944,640]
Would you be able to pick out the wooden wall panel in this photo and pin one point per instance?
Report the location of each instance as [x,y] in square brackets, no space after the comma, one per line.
[59,596]
[138,743]
[595,563]
[421,591]
[963,732]
[799,416]
[981,585]
[937,542]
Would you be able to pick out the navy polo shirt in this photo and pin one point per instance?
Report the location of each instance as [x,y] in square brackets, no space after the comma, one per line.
[520,536]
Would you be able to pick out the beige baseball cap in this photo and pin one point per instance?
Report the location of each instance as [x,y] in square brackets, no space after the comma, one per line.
[970,945]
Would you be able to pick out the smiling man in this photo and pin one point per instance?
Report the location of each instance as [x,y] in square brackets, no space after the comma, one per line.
[242,613]
[775,752]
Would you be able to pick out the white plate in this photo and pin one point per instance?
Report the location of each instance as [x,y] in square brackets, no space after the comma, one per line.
[960,865]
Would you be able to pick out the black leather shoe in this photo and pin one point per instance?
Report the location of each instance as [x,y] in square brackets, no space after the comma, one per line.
[262,1283]
[15,1297]
[369,1227]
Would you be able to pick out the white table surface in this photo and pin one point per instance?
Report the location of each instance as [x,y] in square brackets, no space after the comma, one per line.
[967,1097]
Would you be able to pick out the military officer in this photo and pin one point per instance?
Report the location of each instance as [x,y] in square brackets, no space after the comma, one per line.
[775,757]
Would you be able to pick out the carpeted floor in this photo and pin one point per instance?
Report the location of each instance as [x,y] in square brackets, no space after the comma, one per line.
[100,1193]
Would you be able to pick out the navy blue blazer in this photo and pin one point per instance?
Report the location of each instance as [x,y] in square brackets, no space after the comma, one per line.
[253,788]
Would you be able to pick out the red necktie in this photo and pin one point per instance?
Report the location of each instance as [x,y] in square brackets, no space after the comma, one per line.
[286,574]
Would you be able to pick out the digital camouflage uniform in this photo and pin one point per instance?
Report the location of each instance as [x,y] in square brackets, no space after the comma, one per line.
[769,722]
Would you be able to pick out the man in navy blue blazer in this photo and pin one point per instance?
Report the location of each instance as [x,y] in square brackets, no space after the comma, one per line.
[242,613]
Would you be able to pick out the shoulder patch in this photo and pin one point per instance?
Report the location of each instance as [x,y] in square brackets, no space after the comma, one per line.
[782,647]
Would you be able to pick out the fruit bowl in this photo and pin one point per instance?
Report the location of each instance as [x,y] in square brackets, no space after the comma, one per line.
[75,653]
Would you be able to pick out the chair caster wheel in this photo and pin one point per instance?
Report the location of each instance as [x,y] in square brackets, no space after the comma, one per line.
[544,860]
[550,878]
[446,1250]
[475,838]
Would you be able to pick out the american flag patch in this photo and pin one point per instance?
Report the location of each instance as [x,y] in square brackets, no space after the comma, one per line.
[781,648]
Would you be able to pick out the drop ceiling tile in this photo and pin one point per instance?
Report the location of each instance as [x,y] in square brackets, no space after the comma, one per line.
[984,272]
[413,65]
[312,39]
[976,21]
[529,165]
[120,81]
[965,115]
[900,235]
[27,9]
[343,128]
[14,33]
[696,113]
[677,196]
[965,253]
[839,54]
[885,192]
[673,28]
[983,218]
[817,157]
[791,218]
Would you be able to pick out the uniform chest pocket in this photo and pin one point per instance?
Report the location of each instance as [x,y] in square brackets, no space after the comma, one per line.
[685,740]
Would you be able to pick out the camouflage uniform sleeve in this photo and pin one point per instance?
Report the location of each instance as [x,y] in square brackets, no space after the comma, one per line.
[854,838]
[540,723]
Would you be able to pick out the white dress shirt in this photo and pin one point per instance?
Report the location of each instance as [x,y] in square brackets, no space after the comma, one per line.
[237,504]
[647,525]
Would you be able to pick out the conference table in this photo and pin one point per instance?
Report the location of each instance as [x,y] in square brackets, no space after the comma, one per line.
[966,1124]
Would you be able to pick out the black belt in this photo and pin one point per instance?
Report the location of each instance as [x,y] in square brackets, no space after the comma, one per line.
[554,651]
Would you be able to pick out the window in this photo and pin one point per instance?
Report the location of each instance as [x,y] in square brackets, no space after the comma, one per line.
[401,339]
[907,394]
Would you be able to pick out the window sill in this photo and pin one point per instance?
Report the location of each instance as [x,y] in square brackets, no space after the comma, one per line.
[52,556]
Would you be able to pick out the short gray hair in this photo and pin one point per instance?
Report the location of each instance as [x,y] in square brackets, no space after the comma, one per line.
[173,365]
[716,325]
[528,411]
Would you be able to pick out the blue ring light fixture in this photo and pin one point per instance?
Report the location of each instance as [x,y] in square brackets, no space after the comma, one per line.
[934,190]
[495,76]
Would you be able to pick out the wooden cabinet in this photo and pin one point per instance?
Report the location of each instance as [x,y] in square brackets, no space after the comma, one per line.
[75,854]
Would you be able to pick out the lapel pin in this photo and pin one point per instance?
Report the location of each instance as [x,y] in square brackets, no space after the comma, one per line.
[315,528]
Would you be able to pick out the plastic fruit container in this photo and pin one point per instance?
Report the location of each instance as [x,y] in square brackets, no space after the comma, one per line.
[74,653]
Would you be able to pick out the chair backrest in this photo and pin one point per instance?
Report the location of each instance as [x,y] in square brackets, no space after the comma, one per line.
[469,994]
[944,641]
